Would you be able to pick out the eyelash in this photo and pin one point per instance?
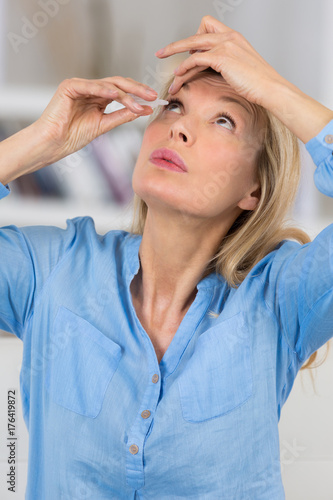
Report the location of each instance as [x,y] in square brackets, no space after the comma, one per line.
[224,115]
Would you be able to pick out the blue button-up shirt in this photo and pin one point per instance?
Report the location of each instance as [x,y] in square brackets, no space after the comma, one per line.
[105,419]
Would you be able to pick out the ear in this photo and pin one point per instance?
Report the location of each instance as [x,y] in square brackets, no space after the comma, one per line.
[250,202]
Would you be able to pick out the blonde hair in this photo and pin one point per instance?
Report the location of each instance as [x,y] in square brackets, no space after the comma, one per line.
[254,233]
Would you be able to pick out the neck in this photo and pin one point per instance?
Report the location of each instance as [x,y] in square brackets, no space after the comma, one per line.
[174,258]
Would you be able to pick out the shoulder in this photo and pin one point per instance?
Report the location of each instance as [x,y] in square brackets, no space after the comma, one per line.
[294,263]
[84,229]
[79,236]
[275,259]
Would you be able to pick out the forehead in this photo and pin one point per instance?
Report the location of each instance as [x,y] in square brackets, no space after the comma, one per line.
[224,92]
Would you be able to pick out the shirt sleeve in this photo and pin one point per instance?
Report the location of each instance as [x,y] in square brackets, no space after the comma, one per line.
[321,150]
[4,190]
[303,274]
[28,257]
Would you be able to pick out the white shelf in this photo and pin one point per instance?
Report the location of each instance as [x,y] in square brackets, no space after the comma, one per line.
[24,211]
[30,211]
[19,102]
[27,103]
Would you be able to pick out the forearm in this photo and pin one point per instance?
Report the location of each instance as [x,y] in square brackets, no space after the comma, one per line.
[302,114]
[25,152]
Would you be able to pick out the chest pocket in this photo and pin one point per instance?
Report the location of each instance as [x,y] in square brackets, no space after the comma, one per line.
[218,377]
[83,364]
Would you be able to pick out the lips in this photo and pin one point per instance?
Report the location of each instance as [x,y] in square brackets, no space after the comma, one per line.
[165,156]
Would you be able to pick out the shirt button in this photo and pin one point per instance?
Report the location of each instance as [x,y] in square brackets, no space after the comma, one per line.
[134,449]
[329,139]
[155,378]
[145,414]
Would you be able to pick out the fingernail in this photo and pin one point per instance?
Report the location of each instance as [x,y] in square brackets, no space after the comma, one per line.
[176,69]
[171,88]
[159,52]
[138,107]
[151,92]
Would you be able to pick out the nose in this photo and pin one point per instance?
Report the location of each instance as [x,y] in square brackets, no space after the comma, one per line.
[182,130]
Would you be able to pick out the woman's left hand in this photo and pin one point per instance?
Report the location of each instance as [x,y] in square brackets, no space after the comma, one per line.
[217,46]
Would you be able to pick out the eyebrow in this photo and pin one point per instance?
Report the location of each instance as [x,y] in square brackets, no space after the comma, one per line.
[224,98]
[236,101]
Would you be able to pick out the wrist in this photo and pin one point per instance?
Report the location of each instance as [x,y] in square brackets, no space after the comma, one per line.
[47,144]
[24,152]
[301,114]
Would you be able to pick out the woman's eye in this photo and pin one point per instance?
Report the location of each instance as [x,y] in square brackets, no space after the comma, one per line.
[172,105]
[226,121]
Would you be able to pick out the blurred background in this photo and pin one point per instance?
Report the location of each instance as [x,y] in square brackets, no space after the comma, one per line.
[43,42]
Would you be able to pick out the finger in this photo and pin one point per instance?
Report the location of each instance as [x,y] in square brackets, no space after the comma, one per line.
[193,51]
[112,92]
[119,117]
[76,88]
[179,81]
[211,25]
[132,86]
[127,100]
[120,88]
[202,59]
[109,89]
[195,42]
[208,25]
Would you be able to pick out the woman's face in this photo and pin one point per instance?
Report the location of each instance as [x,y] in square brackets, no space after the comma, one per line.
[211,130]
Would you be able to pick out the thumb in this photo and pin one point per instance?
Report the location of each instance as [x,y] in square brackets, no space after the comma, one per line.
[116,118]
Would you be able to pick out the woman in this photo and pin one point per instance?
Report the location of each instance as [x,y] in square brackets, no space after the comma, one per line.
[155,365]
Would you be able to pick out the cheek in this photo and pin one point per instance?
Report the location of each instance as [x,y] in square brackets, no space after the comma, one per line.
[240,162]
[146,146]
[248,154]
[224,172]
[218,162]
[152,139]
[152,135]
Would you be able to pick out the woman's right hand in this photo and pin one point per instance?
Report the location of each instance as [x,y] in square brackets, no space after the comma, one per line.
[75,115]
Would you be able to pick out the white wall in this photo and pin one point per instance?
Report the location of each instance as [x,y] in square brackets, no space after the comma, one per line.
[326,69]
[306,434]
[2,40]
